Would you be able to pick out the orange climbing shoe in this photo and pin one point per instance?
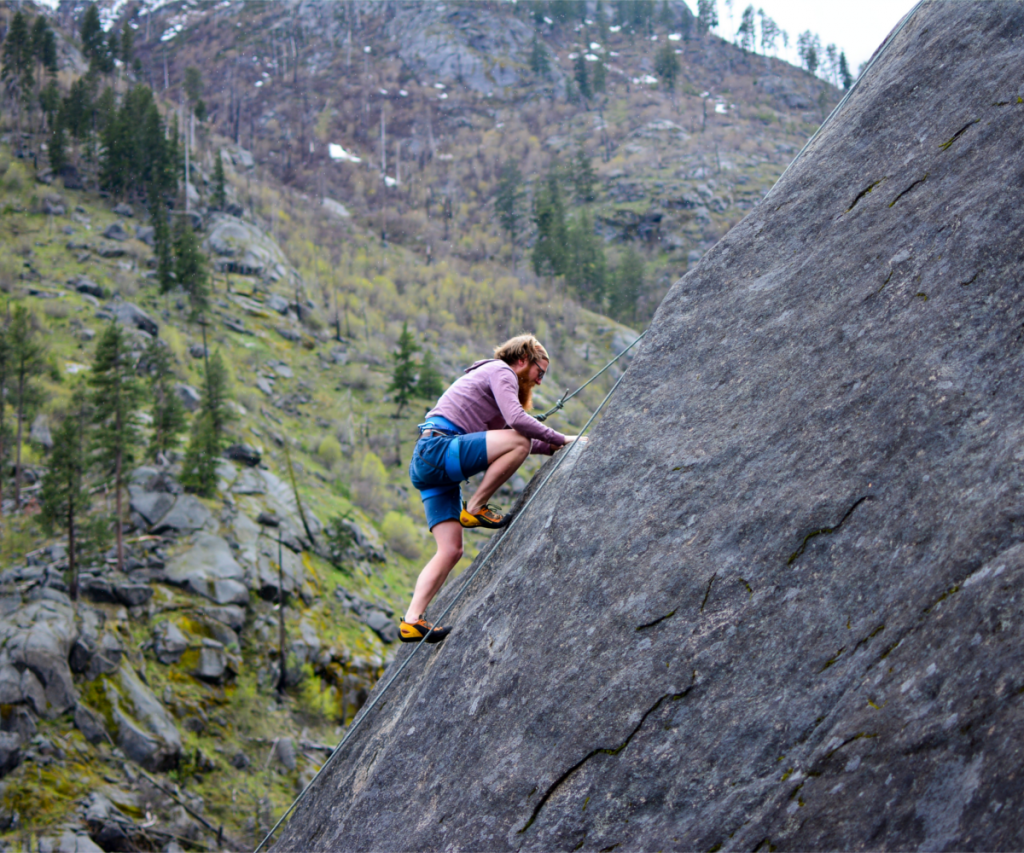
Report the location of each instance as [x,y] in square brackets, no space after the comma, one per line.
[486,517]
[413,632]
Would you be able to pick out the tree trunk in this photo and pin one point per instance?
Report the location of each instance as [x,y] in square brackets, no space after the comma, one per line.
[72,569]
[117,504]
[17,450]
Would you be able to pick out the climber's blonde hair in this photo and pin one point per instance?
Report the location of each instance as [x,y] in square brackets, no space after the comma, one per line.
[522,347]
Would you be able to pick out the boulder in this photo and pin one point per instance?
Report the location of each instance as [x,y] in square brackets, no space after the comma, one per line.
[146,233]
[244,454]
[244,249]
[209,569]
[109,250]
[90,724]
[277,303]
[230,615]
[188,395]
[134,317]
[213,663]
[169,642]
[133,594]
[69,175]
[774,602]
[123,209]
[152,506]
[53,205]
[36,640]
[10,752]
[40,432]
[188,513]
[141,727]
[19,720]
[85,285]
[197,351]
[116,231]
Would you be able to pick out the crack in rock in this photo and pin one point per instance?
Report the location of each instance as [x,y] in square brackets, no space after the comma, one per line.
[824,531]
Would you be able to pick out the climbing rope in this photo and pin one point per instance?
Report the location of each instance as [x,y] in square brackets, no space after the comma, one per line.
[566,397]
[878,55]
[366,711]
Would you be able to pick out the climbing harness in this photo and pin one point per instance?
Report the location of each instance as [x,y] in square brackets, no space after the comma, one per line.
[365,712]
[878,55]
[566,397]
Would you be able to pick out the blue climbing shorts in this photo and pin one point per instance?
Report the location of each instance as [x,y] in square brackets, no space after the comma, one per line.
[440,463]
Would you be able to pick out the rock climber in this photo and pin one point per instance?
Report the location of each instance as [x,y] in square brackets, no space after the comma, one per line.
[479,424]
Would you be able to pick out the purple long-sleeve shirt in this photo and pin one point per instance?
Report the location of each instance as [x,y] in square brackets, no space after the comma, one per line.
[487,397]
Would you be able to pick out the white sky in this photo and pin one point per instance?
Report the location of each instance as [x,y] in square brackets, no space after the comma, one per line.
[856,27]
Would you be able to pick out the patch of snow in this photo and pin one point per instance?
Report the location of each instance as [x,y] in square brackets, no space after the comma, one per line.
[445,156]
[383,91]
[614,29]
[721,109]
[258,83]
[595,46]
[590,57]
[389,181]
[367,49]
[646,78]
[443,96]
[439,85]
[548,20]
[674,36]
[336,152]
[74,367]
[573,55]
[403,93]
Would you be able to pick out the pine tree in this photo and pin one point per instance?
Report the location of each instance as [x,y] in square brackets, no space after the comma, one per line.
[163,249]
[168,411]
[747,33]
[582,76]
[599,79]
[26,360]
[94,45]
[770,32]
[808,45]
[190,266]
[584,178]
[209,431]
[629,282]
[44,45]
[62,496]
[116,396]
[127,46]
[666,65]
[220,198]
[403,377]
[508,202]
[587,270]
[707,16]
[844,72]
[17,59]
[549,250]
[56,150]
[539,62]
[429,385]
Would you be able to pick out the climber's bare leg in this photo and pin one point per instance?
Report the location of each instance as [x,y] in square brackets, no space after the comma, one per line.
[506,451]
[448,535]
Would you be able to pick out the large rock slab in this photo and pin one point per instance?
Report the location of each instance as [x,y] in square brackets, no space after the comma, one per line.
[187,513]
[208,568]
[775,602]
[140,725]
[36,640]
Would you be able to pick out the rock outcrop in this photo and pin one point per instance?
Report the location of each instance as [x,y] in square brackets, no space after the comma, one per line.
[773,604]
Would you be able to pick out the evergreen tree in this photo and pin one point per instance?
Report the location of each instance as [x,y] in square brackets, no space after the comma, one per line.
[56,150]
[168,411]
[584,178]
[707,16]
[808,45]
[540,64]
[770,33]
[602,24]
[582,76]
[17,60]
[403,377]
[26,363]
[549,250]
[746,35]
[116,396]
[666,65]
[508,201]
[599,80]
[629,282]
[190,266]
[844,72]
[94,45]
[220,198]
[127,46]
[209,431]
[586,271]
[429,385]
[76,110]
[62,496]
[49,100]
[162,248]
[666,18]
[44,45]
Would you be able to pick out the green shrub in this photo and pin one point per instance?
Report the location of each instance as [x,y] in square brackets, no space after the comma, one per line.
[401,534]
[329,451]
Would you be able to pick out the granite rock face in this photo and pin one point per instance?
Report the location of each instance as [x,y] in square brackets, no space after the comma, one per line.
[775,602]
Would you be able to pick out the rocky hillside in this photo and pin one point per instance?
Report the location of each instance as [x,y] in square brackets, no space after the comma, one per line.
[450,86]
[773,604]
